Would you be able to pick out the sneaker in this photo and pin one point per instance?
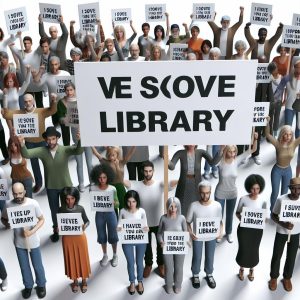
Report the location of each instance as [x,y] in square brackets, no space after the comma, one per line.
[26,293]
[195,282]
[206,175]
[219,239]
[114,261]
[215,174]
[177,290]
[104,261]
[168,290]
[245,161]
[210,281]
[229,238]
[41,291]
[257,160]
[54,237]
[4,285]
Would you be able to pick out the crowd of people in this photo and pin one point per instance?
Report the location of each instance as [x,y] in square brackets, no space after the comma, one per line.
[28,83]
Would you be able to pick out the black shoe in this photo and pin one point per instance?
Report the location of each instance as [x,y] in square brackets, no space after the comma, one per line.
[210,281]
[195,282]
[26,293]
[36,188]
[41,291]
[54,237]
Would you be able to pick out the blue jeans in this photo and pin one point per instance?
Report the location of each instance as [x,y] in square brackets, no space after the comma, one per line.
[78,158]
[2,204]
[279,174]
[288,120]
[36,260]
[128,250]
[230,205]
[27,182]
[209,256]
[35,163]
[109,220]
[3,273]
[53,200]
[89,160]
[207,166]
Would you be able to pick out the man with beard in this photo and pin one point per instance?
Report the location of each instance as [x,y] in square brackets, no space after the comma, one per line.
[204,208]
[26,239]
[56,172]
[34,142]
[151,192]
[286,233]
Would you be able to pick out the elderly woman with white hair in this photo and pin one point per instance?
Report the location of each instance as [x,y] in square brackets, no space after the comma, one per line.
[173,220]
[240,47]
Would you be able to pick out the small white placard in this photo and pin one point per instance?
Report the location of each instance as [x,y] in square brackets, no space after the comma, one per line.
[4,194]
[178,51]
[203,12]
[175,242]
[61,81]
[21,216]
[155,12]
[290,211]
[263,75]
[121,15]
[132,232]
[26,125]
[290,36]
[296,20]
[207,228]
[50,12]
[260,113]
[88,15]
[72,118]
[69,223]
[261,14]
[102,200]
[253,218]
[16,20]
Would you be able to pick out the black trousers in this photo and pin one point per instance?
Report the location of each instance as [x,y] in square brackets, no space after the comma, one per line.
[133,168]
[149,253]
[3,273]
[3,146]
[292,248]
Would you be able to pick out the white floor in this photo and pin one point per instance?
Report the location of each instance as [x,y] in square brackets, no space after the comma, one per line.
[109,282]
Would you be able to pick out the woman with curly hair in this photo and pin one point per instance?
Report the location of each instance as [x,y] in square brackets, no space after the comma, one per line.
[106,222]
[249,238]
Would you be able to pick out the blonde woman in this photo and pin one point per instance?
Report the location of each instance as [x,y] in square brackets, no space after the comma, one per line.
[120,36]
[285,147]
[226,189]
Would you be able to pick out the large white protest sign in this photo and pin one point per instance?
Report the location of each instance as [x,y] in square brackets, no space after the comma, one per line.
[261,14]
[72,118]
[132,232]
[296,20]
[207,228]
[4,195]
[178,51]
[263,75]
[260,113]
[88,15]
[69,223]
[121,15]
[26,125]
[21,216]
[61,81]
[175,242]
[155,12]
[185,101]
[102,200]
[16,20]
[253,218]
[203,11]
[50,12]
[290,211]
[291,36]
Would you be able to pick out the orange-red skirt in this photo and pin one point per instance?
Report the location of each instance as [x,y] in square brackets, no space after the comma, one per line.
[76,256]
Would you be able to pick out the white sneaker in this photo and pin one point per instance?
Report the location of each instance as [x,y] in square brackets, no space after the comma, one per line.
[104,261]
[229,238]
[4,285]
[215,174]
[114,261]
[245,161]
[257,160]
[218,239]
[206,175]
